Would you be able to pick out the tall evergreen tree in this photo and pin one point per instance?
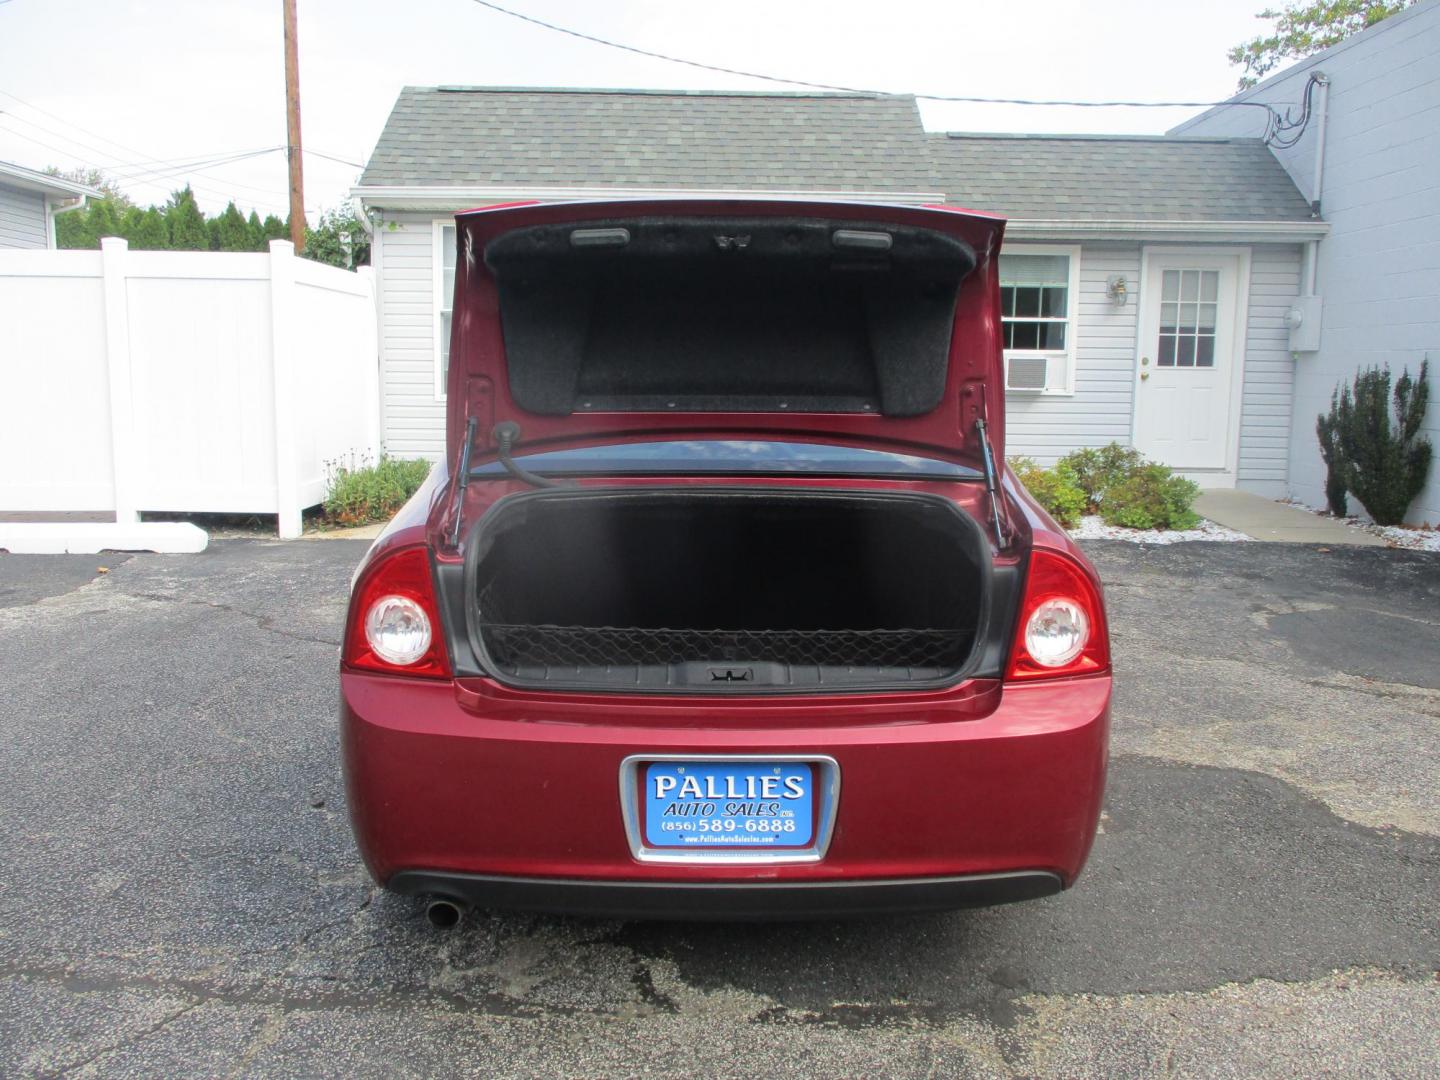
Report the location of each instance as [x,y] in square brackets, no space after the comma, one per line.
[256,232]
[105,220]
[185,223]
[274,229]
[76,229]
[231,232]
[145,229]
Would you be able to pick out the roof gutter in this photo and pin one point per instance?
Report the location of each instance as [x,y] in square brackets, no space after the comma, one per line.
[428,197]
[435,197]
[1149,230]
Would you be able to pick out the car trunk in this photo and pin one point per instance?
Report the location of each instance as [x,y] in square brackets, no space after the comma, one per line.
[864,327]
[727,589]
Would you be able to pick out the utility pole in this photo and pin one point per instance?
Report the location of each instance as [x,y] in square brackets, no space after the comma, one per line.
[292,128]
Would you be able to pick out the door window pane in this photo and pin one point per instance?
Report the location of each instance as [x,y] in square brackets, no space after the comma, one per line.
[1189,312]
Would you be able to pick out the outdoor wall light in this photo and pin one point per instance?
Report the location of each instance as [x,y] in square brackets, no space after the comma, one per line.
[1117,289]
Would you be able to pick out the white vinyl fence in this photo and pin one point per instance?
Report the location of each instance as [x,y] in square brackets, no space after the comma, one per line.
[181,381]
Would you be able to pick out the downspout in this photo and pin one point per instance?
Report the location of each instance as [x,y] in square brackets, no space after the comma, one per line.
[1312,249]
[373,227]
[54,209]
[1322,83]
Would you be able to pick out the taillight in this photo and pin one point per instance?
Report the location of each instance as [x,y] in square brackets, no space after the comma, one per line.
[1062,621]
[394,620]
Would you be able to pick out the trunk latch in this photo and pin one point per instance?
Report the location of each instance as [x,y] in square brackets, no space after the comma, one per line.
[730,674]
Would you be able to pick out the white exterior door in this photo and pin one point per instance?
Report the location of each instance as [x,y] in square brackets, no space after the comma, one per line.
[1191,328]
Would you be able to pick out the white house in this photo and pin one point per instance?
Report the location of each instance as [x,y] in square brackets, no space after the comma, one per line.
[1147,281]
[1370,161]
[30,200]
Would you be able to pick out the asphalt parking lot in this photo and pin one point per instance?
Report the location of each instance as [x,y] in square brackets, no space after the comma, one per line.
[179,895]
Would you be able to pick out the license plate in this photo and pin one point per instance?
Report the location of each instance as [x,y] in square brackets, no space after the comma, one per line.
[728,804]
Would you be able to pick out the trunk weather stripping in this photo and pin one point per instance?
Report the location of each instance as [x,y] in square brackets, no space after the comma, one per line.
[464,479]
[991,488]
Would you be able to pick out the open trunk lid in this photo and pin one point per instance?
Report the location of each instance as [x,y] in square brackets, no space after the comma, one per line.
[856,324]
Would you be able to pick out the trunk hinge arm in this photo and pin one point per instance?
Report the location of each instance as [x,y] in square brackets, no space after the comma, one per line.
[506,435]
[991,487]
[462,478]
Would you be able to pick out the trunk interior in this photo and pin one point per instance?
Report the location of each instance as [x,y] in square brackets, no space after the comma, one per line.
[726,590]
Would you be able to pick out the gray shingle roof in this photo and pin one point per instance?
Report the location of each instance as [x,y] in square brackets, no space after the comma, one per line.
[1090,177]
[497,136]
[802,142]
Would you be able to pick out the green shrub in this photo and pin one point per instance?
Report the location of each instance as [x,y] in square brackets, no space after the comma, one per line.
[1152,497]
[1095,472]
[360,492]
[1327,430]
[1383,459]
[1054,489]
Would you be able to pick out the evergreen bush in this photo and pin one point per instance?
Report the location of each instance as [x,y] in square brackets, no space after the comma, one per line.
[1327,430]
[1383,458]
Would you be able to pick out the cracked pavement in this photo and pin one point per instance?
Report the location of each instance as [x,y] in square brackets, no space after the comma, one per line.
[179,895]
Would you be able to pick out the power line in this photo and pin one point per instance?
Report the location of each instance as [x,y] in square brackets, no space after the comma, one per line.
[331,157]
[157,179]
[137,171]
[961,98]
[137,177]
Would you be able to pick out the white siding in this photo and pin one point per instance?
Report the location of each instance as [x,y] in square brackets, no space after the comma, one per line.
[414,419]
[22,219]
[1269,371]
[1102,409]
[1379,269]
[1047,427]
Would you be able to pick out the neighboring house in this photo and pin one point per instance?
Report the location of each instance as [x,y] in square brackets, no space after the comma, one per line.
[1370,159]
[1146,281]
[30,200]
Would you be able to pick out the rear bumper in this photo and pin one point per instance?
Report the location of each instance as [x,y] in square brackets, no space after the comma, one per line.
[509,798]
[725,902]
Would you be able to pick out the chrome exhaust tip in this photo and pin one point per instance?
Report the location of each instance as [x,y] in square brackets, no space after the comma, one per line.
[443,914]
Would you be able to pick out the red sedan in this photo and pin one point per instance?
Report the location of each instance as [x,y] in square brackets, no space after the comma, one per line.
[724,603]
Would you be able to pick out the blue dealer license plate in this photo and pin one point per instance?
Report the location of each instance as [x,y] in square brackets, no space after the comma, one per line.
[736,804]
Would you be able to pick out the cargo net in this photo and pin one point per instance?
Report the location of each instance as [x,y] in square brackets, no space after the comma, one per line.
[519,645]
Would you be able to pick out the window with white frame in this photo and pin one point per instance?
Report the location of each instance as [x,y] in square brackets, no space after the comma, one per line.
[1038,288]
[444,296]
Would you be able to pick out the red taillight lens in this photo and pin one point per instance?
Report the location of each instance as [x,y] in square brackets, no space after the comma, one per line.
[1062,621]
[394,623]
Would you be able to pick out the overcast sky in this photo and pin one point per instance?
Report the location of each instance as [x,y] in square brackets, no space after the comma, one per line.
[127,84]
